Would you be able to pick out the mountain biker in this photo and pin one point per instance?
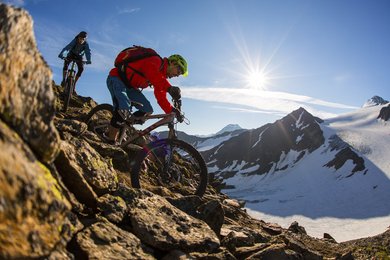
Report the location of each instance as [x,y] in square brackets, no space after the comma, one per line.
[75,50]
[152,70]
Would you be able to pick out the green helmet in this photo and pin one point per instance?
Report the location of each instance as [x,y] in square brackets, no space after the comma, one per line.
[179,60]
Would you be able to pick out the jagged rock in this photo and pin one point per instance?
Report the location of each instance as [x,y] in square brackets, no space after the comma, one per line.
[188,204]
[232,210]
[296,228]
[73,178]
[273,229]
[26,95]
[112,207]
[210,212]
[118,156]
[343,156]
[234,237]
[275,252]
[98,172]
[368,248]
[221,253]
[79,105]
[296,244]
[76,205]
[79,164]
[245,252]
[237,239]
[33,210]
[348,256]
[74,127]
[329,238]
[384,113]
[176,255]
[103,240]
[233,203]
[159,224]
[61,254]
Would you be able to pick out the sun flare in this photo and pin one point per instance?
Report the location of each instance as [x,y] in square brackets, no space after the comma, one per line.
[257,79]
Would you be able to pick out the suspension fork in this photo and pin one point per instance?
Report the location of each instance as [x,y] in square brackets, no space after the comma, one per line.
[70,77]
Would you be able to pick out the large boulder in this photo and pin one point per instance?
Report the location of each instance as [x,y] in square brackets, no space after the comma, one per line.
[161,225]
[104,240]
[26,95]
[35,216]
[384,113]
[85,172]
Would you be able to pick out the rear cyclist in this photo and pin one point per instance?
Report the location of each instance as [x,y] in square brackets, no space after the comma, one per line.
[75,51]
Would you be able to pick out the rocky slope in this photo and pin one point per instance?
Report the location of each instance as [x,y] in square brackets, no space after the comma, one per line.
[64,194]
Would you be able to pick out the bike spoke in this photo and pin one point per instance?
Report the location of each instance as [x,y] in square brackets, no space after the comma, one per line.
[173,167]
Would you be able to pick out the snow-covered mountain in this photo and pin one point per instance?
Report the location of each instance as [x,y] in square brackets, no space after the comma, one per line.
[333,173]
[229,128]
[203,143]
[228,132]
[375,101]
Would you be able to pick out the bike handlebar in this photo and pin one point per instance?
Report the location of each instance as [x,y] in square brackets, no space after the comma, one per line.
[70,59]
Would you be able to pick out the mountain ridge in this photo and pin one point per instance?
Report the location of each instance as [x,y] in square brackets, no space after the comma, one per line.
[263,146]
[229,128]
[344,160]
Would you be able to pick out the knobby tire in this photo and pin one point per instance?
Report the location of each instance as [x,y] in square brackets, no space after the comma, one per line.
[186,174]
[68,93]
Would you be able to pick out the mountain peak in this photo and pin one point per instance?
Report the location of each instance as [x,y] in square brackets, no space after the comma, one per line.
[302,114]
[375,101]
[229,128]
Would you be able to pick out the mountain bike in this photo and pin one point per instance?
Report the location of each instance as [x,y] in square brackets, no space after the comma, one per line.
[167,162]
[70,82]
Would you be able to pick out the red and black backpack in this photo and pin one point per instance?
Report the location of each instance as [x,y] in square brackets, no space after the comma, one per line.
[129,55]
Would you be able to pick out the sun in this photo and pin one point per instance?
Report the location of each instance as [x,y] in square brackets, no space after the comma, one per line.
[257,79]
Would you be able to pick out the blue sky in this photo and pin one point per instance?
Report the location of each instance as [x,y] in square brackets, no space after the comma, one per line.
[250,62]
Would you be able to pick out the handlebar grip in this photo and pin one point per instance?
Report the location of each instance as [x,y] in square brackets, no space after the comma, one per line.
[177,104]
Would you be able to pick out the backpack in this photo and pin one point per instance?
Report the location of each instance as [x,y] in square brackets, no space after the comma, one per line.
[129,55]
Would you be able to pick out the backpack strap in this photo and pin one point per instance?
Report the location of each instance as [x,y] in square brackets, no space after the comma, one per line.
[123,65]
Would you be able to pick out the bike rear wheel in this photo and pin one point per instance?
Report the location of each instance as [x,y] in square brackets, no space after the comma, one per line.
[173,164]
[98,119]
[68,92]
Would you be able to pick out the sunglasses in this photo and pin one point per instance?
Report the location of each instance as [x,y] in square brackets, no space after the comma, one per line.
[179,69]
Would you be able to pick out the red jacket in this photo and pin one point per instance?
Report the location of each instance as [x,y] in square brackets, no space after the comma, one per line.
[154,71]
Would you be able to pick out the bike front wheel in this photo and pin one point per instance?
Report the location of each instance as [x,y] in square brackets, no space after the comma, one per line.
[68,92]
[173,164]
